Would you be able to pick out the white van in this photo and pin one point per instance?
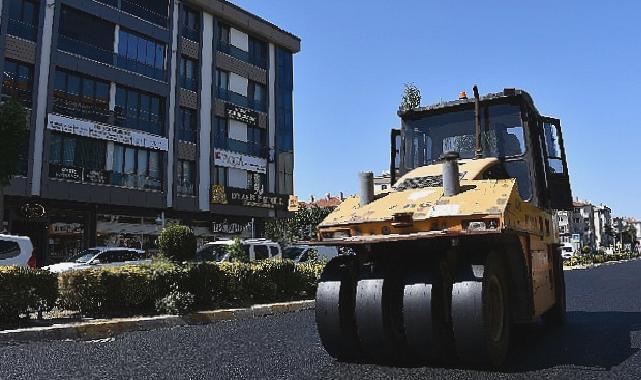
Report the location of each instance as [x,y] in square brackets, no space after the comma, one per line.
[305,253]
[258,250]
[16,251]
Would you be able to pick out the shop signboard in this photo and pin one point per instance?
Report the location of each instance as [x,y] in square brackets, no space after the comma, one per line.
[241,114]
[106,132]
[78,174]
[293,204]
[249,198]
[231,228]
[235,160]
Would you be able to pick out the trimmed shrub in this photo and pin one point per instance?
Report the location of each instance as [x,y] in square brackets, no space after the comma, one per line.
[177,243]
[178,288]
[24,290]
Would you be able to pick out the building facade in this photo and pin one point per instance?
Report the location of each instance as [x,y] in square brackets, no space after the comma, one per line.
[142,113]
[586,225]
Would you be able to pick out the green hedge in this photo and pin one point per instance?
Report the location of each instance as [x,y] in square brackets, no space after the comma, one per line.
[24,290]
[148,289]
[598,258]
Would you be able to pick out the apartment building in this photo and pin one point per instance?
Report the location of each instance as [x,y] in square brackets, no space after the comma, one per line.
[586,225]
[146,112]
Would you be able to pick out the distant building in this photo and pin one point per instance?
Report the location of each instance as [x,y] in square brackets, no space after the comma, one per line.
[382,182]
[329,201]
[586,225]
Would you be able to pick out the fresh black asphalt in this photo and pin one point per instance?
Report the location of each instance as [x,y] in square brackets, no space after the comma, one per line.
[601,341]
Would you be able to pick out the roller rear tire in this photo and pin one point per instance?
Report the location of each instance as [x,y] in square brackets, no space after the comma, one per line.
[481,313]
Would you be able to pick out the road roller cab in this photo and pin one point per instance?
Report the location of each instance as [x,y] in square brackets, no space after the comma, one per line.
[462,246]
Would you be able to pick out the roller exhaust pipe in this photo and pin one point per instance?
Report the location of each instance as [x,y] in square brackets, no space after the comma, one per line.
[451,178]
[367,187]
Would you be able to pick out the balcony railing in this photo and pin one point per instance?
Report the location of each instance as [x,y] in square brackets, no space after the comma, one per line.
[185,189]
[248,148]
[96,53]
[75,106]
[139,67]
[19,89]
[189,83]
[137,10]
[240,100]
[22,29]
[186,134]
[191,34]
[136,181]
[85,49]
[237,53]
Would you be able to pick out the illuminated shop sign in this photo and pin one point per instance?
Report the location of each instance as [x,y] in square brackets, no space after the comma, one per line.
[234,160]
[106,132]
[241,114]
[243,197]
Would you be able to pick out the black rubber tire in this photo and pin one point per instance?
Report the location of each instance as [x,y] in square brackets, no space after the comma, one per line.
[426,320]
[480,292]
[378,313]
[334,309]
[555,317]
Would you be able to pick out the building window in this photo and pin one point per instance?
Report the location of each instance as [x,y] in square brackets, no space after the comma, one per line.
[154,11]
[186,177]
[258,52]
[284,102]
[256,144]
[220,176]
[188,74]
[86,35]
[256,182]
[220,132]
[141,55]
[191,24]
[80,96]
[285,173]
[187,125]
[23,19]
[139,110]
[222,78]
[76,151]
[18,81]
[223,33]
[258,96]
[137,168]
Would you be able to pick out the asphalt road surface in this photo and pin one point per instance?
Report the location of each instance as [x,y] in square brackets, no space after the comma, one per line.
[601,340]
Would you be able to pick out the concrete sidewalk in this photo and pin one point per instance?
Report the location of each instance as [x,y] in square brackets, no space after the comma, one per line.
[107,328]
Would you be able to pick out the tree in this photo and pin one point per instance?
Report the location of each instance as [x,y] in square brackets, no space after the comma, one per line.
[13,129]
[177,243]
[237,251]
[411,97]
[303,225]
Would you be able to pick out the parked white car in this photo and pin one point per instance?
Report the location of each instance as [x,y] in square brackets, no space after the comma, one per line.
[258,250]
[101,257]
[567,251]
[16,251]
[305,253]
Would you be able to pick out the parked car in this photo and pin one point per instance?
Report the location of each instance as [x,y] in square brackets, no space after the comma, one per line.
[16,251]
[258,250]
[567,251]
[305,253]
[101,257]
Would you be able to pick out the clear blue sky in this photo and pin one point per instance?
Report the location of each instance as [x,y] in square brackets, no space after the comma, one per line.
[580,60]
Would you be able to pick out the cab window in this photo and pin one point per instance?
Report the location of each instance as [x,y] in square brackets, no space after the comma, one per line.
[495,172]
[260,252]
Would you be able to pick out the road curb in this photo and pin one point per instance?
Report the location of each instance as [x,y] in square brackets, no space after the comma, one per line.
[101,329]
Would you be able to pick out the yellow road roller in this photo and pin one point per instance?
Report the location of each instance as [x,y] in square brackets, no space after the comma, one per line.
[461,247]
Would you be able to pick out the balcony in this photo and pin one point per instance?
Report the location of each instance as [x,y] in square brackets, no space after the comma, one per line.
[22,29]
[242,55]
[190,84]
[95,53]
[191,34]
[132,8]
[240,100]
